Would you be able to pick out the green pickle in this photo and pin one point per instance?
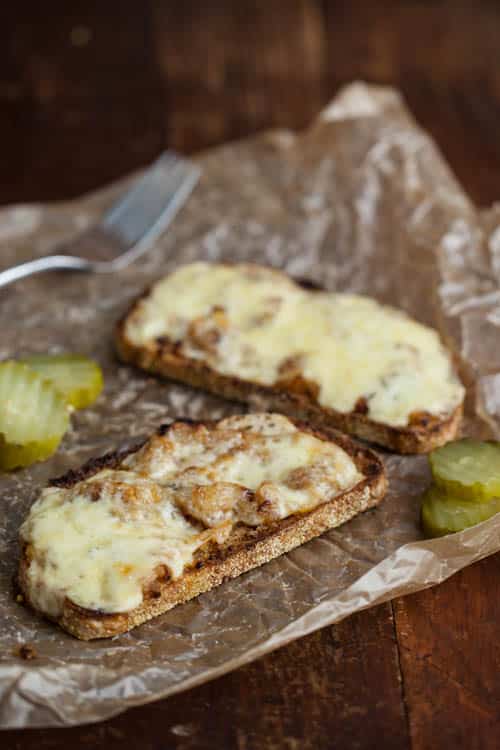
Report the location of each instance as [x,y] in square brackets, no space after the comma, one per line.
[467,469]
[442,514]
[33,416]
[77,378]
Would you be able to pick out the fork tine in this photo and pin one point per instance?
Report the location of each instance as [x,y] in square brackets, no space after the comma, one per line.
[166,162]
[152,203]
[130,227]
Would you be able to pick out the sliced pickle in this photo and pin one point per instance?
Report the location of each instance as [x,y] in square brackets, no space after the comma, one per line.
[442,514]
[78,378]
[467,469]
[33,416]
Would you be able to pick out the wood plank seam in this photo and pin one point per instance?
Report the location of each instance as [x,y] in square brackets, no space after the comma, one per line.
[406,707]
[473,699]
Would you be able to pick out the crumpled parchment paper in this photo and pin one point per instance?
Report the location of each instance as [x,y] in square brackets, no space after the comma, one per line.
[362,201]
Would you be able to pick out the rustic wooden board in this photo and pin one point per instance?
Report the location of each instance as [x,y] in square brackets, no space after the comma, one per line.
[91,90]
[338,688]
[450,659]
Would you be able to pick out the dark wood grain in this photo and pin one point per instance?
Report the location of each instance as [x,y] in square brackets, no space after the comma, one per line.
[450,658]
[444,58]
[81,96]
[91,90]
[316,694]
[230,72]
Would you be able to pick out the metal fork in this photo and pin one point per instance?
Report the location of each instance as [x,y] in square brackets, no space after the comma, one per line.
[128,229]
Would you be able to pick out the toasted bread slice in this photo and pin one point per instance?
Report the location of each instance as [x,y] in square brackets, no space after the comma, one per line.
[252,334]
[131,535]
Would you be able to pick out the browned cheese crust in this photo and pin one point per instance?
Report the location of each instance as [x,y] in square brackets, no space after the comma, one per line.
[246,547]
[295,399]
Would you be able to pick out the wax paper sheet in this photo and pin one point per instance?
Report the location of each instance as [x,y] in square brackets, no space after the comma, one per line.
[362,201]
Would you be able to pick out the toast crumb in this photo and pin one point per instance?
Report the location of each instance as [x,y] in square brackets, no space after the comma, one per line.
[27,652]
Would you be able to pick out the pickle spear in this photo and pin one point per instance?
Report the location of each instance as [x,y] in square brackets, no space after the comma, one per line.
[444,515]
[33,416]
[467,469]
[77,378]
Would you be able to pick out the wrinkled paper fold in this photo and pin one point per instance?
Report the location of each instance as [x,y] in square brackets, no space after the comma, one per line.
[363,201]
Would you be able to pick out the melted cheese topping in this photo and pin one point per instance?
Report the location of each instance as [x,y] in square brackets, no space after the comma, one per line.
[88,551]
[255,323]
[103,541]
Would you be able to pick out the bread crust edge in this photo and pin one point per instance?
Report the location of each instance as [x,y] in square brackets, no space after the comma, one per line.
[159,359]
[260,546]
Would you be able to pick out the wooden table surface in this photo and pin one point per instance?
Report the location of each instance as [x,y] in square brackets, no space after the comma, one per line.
[91,90]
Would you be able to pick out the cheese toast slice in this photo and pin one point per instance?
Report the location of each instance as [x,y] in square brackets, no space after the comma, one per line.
[251,333]
[131,535]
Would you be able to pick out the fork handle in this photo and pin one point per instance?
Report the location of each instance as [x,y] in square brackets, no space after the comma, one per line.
[49,263]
